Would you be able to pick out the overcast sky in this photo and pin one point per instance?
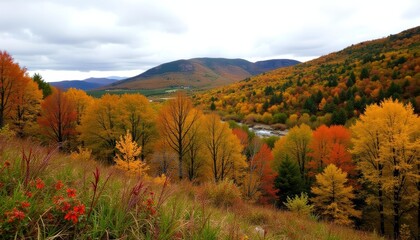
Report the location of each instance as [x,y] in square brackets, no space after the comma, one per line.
[76,39]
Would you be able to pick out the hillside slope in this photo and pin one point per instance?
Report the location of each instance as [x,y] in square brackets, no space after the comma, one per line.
[332,89]
[199,72]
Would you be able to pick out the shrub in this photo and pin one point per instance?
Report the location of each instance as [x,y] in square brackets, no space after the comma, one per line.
[299,204]
[221,194]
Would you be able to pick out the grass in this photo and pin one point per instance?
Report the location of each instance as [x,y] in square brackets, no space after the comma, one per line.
[118,206]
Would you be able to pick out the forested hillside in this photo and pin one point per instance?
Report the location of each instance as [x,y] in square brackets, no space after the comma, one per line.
[329,90]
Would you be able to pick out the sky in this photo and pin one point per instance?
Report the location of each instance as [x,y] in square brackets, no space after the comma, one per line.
[77,39]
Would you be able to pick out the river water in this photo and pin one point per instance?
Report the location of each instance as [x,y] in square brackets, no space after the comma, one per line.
[262,130]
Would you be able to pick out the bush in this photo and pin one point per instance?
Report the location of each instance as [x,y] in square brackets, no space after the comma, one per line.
[299,204]
[280,118]
[221,194]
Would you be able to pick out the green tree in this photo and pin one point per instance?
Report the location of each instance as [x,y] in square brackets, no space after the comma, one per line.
[339,117]
[288,181]
[364,73]
[297,147]
[42,85]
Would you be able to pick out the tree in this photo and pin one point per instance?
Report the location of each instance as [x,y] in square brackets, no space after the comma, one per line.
[26,106]
[99,127]
[341,158]
[329,145]
[175,121]
[332,196]
[58,117]
[223,149]
[195,160]
[386,144]
[10,76]
[339,117]
[137,116]
[42,85]
[259,179]
[81,101]
[128,157]
[288,181]
[268,190]
[296,146]
[320,148]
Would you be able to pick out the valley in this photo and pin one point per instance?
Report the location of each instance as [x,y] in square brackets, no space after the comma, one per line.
[218,149]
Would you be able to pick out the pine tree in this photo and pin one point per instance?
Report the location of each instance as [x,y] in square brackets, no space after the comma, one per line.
[288,181]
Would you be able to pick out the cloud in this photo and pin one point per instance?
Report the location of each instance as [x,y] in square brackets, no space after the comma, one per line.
[105,35]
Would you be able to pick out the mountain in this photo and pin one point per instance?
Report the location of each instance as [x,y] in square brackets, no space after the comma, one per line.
[331,89]
[86,84]
[199,72]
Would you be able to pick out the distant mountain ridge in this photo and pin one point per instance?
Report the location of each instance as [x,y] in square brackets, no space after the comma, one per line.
[86,84]
[199,72]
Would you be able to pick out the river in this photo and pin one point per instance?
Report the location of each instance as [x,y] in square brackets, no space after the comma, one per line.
[263,130]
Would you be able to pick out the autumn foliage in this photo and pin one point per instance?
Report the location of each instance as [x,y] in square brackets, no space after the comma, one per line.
[58,117]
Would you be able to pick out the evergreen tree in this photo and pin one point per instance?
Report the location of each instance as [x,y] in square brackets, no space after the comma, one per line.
[42,85]
[288,181]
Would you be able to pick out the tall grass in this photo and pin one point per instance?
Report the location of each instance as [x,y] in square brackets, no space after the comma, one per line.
[47,195]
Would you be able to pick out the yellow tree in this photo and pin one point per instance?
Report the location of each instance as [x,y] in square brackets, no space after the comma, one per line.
[136,116]
[332,196]
[223,148]
[81,101]
[386,145]
[127,159]
[176,120]
[296,146]
[99,126]
[26,105]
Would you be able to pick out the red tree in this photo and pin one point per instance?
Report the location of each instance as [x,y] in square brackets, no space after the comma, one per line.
[264,159]
[58,117]
[330,146]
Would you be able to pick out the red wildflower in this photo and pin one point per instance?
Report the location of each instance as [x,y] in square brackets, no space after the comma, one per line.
[39,184]
[15,214]
[80,209]
[71,193]
[25,204]
[65,206]
[58,185]
[152,211]
[149,202]
[71,216]
[28,194]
